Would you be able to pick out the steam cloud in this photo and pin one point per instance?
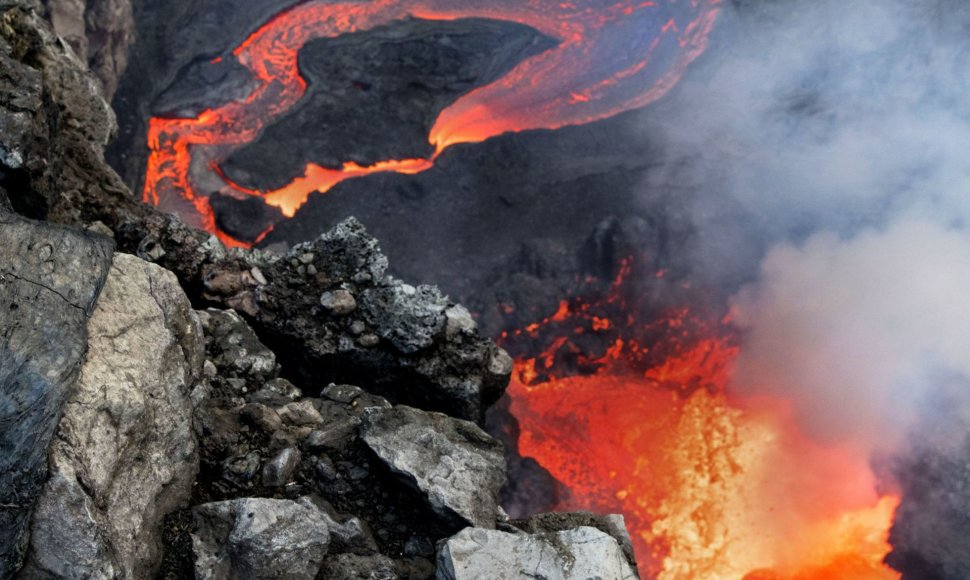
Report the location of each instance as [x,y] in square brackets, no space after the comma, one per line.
[843,130]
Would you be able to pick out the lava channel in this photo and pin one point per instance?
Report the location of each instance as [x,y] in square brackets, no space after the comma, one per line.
[611,57]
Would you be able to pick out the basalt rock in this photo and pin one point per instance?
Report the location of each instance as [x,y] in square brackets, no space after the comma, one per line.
[460,372]
[355,324]
[573,554]
[259,539]
[50,278]
[124,455]
[99,31]
[455,464]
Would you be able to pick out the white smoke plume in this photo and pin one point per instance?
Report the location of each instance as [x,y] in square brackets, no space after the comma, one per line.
[843,130]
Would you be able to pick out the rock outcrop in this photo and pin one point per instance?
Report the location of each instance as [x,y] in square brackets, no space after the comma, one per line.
[124,455]
[100,32]
[50,278]
[456,465]
[329,427]
[573,554]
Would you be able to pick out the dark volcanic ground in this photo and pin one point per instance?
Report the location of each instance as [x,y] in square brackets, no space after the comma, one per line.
[374,95]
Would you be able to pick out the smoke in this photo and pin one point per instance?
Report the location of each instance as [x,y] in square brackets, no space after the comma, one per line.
[842,130]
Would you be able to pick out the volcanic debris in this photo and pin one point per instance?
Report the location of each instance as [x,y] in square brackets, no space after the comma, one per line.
[172,408]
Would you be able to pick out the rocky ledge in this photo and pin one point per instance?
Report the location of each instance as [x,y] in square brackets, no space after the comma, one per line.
[171,408]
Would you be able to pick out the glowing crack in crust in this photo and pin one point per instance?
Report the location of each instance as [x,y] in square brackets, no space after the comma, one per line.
[611,57]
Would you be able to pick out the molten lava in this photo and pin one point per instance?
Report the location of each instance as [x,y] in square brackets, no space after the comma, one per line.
[711,486]
[612,56]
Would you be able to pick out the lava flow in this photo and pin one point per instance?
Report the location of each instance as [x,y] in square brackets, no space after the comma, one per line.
[611,57]
[711,486]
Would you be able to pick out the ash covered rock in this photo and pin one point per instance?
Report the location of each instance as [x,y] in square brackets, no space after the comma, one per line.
[454,463]
[50,278]
[572,554]
[124,454]
[233,347]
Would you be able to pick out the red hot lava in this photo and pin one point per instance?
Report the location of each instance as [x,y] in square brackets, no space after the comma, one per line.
[612,56]
[711,486]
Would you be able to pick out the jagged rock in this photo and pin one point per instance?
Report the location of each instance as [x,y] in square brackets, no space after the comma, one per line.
[458,467]
[259,538]
[50,278]
[275,392]
[60,159]
[347,534]
[576,554]
[394,342]
[235,349]
[301,414]
[612,525]
[280,468]
[124,455]
[54,122]
[99,31]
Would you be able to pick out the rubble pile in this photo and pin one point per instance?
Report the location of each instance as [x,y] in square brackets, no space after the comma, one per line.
[171,408]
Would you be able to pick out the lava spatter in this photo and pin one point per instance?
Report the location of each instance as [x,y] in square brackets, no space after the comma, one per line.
[611,57]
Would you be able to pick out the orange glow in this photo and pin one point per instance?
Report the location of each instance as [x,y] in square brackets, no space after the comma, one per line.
[711,486]
[612,57]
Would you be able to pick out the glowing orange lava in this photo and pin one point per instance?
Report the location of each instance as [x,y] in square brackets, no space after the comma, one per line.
[712,487]
[611,57]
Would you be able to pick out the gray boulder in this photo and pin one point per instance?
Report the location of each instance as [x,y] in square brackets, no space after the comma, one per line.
[578,554]
[124,455]
[457,466]
[257,538]
[50,278]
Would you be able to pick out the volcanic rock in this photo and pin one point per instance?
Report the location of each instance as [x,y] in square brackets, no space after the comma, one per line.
[125,454]
[410,360]
[280,468]
[259,538]
[50,278]
[52,115]
[375,93]
[458,467]
[575,554]
[99,31]
[236,350]
[67,180]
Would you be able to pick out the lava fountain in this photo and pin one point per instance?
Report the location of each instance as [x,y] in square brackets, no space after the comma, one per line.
[611,57]
[712,485]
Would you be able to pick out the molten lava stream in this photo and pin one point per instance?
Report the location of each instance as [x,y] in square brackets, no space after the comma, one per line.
[710,487]
[612,56]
